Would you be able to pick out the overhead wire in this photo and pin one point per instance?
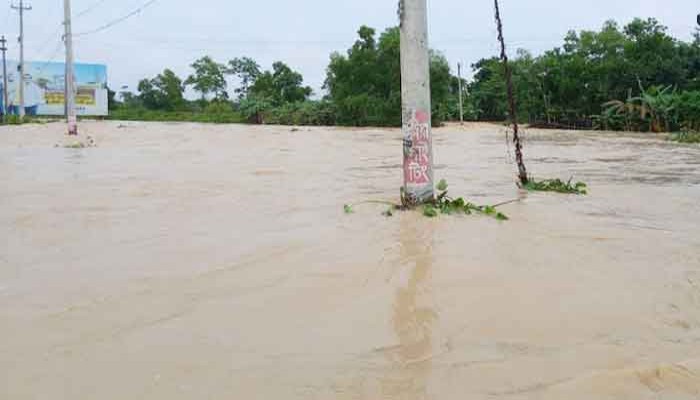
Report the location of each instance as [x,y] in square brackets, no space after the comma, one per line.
[89,9]
[51,58]
[45,44]
[50,38]
[116,21]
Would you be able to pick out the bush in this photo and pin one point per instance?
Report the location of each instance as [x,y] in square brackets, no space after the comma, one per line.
[687,109]
[220,114]
[15,120]
[686,137]
[312,113]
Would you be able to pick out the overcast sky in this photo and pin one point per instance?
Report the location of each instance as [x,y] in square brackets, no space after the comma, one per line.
[303,33]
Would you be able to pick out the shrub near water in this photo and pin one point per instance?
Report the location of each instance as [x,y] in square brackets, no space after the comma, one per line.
[142,114]
[686,137]
[443,204]
[314,113]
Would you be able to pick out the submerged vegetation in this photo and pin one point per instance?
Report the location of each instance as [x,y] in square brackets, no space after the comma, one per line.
[443,204]
[686,137]
[557,186]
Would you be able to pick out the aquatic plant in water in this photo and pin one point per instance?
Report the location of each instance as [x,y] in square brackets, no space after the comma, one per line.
[686,137]
[557,186]
[443,204]
[76,145]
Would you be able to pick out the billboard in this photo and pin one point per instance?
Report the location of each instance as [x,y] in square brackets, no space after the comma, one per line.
[44,87]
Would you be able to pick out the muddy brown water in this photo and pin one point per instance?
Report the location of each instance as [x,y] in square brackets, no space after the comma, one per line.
[183,261]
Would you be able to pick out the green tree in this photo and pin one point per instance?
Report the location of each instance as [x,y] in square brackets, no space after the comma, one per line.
[247,71]
[164,92]
[364,85]
[208,79]
[282,85]
[593,73]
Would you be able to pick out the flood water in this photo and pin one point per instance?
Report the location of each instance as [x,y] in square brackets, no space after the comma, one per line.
[184,261]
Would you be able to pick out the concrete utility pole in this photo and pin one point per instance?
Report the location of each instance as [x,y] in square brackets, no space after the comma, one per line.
[461,104]
[70,84]
[415,95]
[3,48]
[21,8]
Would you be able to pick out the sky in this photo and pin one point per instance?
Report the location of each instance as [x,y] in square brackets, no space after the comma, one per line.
[303,33]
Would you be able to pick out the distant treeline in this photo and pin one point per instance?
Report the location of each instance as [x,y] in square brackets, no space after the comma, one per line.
[363,88]
[634,78]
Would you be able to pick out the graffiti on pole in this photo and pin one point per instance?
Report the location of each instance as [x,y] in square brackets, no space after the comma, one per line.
[417,149]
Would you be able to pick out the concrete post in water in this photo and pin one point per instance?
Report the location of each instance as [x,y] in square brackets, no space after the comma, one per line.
[70,76]
[461,101]
[415,97]
[21,8]
[5,99]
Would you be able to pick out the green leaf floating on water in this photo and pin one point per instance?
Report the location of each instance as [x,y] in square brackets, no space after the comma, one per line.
[442,204]
[446,205]
[430,211]
[557,186]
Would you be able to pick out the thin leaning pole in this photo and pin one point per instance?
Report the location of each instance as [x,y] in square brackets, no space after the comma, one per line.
[508,72]
[415,99]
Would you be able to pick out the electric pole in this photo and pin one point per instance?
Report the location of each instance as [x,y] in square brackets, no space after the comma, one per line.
[3,48]
[71,119]
[461,104]
[415,98]
[21,8]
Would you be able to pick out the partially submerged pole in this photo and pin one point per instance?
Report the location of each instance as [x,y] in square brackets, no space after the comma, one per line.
[461,101]
[71,118]
[415,99]
[3,48]
[512,108]
[21,8]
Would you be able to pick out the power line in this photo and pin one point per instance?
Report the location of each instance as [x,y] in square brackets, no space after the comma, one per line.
[45,44]
[89,8]
[117,21]
[49,40]
[7,17]
[57,32]
[51,58]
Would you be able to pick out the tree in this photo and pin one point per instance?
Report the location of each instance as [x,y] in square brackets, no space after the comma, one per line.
[112,102]
[365,84]
[282,85]
[572,83]
[247,70]
[171,88]
[148,95]
[208,79]
[164,92]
